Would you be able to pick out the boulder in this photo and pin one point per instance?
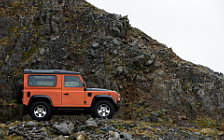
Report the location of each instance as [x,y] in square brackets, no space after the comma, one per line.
[64,128]
[91,123]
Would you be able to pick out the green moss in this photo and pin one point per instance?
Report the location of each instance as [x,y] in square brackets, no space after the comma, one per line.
[211,123]
[40,124]
[4,41]
[13,137]
[17,73]
[26,55]
[185,86]
[8,103]
[1,63]
[16,30]
[17,4]
[98,131]
[51,133]
[140,128]
[36,22]
[2,12]
[10,51]
[14,123]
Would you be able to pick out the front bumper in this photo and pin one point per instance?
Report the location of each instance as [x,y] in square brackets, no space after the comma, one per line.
[118,105]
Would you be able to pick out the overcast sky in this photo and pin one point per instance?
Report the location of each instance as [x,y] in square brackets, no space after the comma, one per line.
[194,29]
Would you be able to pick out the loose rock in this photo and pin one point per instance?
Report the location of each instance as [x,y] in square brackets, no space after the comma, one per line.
[64,128]
[91,123]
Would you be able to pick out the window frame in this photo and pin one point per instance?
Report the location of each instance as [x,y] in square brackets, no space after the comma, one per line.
[55,81]
[72,76]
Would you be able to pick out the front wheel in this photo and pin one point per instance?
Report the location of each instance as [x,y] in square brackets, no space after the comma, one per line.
[40,111]
[103,109]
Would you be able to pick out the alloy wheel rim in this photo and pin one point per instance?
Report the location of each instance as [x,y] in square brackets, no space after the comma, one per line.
[40,111]
[103,110]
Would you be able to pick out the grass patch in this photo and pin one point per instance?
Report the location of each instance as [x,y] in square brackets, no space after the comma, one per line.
[208,122]
[13,137]
[8,103]
[4,41]
[140,127]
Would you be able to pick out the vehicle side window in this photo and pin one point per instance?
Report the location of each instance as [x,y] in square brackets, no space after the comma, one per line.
[72,81]
[42,80]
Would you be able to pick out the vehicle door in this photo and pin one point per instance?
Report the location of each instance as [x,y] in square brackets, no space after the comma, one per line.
[72,91]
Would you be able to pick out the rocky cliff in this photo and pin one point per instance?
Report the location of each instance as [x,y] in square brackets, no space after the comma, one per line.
[74,35]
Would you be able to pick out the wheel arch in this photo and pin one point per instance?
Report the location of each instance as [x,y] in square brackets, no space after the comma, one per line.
[40,98]
[103,97]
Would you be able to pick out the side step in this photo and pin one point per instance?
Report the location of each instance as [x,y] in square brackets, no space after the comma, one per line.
[71,108]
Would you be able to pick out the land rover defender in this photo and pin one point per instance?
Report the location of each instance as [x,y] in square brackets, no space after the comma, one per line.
[48,90]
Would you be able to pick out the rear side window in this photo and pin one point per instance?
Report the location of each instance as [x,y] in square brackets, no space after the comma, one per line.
[42,80]
[72,81]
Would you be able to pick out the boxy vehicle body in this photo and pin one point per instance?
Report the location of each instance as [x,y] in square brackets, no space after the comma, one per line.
[45,90]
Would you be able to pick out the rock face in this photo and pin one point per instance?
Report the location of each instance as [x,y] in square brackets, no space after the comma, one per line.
[74,35]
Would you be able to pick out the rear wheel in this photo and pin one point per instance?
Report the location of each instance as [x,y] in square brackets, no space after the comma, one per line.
[103,109]
[40,111]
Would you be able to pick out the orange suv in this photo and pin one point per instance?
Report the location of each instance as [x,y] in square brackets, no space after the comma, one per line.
[47,90]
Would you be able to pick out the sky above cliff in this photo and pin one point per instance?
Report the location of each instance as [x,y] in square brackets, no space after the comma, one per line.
[194,29]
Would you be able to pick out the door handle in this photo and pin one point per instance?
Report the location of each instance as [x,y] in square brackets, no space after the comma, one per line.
[66,94]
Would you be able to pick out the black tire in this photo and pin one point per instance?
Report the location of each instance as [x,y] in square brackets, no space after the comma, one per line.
[42,106]
[106,105]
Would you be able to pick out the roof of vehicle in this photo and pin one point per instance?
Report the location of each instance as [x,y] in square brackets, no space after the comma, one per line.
[32,71]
